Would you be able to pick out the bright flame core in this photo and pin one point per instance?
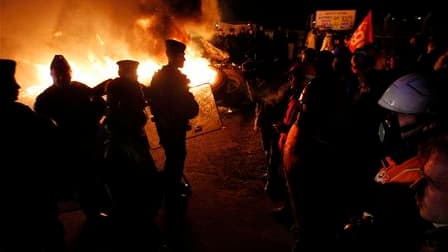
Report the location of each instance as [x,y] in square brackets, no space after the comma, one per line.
[197,69]
[93,35]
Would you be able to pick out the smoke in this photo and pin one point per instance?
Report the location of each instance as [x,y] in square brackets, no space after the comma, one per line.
[177,19]
[85,31]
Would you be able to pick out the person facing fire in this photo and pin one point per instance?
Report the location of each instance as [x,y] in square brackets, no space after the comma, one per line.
[29,214]
[132,175]
[75,110]
[173,105]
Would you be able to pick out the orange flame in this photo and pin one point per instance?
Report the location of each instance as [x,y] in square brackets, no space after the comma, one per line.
[94,43]
[196,68]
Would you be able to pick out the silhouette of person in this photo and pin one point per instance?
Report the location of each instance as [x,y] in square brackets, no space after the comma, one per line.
[132,174]
[173,105]
[76,111]
[29,214]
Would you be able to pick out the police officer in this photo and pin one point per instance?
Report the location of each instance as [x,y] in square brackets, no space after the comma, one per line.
[76,112]
[28,215]
[131,172]
[173,105]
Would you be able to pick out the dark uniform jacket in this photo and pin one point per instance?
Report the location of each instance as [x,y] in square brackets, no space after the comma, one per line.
[172,104]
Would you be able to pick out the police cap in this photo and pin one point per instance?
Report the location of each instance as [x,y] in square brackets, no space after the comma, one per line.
[7,73]
[7,69]
[174,47]
[127,65]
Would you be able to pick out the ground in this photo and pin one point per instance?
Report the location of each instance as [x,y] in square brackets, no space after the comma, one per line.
[229,210]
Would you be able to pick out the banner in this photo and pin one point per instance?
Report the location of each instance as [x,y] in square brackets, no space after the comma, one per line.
[363,34]
[337,20]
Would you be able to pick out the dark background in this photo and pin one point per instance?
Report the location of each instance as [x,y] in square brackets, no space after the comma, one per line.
[293,13]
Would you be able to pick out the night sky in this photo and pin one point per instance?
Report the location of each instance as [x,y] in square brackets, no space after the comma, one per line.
[283,12]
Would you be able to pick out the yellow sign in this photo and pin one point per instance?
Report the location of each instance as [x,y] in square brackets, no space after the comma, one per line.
[335,19]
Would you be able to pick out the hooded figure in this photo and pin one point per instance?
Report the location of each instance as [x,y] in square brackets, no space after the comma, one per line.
[60,64]
[76,111]
[61,71]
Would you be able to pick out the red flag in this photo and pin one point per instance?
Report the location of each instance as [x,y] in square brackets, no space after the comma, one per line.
[363,34]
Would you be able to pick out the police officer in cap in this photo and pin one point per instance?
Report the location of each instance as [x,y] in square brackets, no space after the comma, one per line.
[173,105]
[9,89]
[132,173]
[29,215]
[125,101]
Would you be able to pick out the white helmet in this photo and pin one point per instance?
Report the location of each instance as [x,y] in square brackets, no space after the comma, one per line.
[409,94]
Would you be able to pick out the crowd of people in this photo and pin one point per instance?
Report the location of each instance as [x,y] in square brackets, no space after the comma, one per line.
[77,145]
[355,145]
[341,119]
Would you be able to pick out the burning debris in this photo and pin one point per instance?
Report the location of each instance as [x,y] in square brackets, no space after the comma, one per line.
[93,35]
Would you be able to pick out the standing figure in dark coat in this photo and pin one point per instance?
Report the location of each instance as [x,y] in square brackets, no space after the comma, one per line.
[131,171]
[28,213]
[173,105]
[76,111]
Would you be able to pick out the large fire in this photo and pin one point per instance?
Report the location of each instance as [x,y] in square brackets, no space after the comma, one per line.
[196,68]
[94,35]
